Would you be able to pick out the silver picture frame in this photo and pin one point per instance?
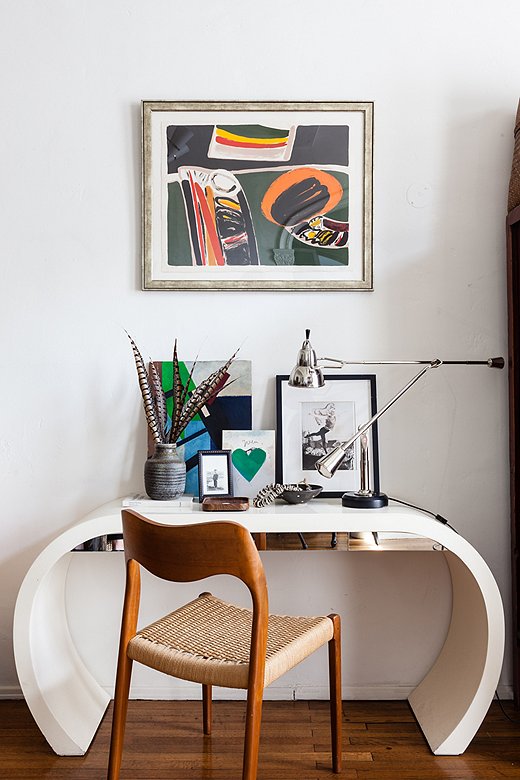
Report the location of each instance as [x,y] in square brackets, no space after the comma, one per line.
[257,196]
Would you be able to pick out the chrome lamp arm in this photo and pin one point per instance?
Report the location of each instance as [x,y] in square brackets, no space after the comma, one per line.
[308,372]
[329,463]
[496,362]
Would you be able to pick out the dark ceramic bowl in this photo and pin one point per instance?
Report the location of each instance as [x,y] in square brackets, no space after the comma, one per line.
[301,496]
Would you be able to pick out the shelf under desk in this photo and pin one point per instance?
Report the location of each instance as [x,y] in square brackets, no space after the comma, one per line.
[348,542]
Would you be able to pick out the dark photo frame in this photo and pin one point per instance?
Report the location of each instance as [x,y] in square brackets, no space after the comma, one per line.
[215,474]
[310,422]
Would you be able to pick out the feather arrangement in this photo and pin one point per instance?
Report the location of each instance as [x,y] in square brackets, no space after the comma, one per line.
[186,403]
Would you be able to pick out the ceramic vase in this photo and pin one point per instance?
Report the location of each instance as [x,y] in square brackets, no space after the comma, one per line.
[164,473]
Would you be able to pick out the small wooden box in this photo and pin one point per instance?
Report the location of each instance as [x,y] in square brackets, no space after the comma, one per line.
[225,504]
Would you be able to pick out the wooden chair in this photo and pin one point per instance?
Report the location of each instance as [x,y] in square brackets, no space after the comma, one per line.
[208,640]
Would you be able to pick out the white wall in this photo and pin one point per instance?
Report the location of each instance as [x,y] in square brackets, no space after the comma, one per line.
[444,80]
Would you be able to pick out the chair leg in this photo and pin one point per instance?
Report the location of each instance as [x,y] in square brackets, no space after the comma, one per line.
[206,709]
[252,735]
[124,673]
[335,692]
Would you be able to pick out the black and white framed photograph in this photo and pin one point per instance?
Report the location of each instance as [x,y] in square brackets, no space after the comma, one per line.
[310,422]
[215,473]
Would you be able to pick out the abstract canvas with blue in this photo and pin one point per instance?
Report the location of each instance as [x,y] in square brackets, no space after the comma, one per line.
[244,195]
[230,409]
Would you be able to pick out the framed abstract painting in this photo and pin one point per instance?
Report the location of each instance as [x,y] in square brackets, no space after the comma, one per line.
[274,196]
[311,422]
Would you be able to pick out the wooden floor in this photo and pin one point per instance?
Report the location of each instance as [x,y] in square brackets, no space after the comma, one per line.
[165,742]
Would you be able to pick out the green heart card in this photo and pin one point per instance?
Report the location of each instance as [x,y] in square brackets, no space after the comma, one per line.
[252,456]
[248,462]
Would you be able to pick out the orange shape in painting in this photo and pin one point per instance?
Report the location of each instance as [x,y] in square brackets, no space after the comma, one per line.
[299,195]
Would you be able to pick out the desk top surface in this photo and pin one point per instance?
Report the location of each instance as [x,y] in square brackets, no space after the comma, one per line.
[319,515]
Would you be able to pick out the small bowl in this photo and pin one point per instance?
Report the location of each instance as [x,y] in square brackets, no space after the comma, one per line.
[302,495]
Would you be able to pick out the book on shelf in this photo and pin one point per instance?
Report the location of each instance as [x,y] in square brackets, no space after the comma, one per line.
[104,543]
[142,501]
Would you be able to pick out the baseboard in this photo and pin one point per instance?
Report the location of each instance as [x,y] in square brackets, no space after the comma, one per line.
[274,693]
[505,692]
[285,693]
[10,692]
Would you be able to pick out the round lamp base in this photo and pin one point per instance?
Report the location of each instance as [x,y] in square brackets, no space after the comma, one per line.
[359,501]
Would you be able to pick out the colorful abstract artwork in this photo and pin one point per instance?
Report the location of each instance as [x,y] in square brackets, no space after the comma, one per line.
[275,196]
[252,456]
[231,409]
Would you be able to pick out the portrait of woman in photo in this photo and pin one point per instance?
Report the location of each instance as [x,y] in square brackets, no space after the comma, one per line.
[322,427]
[326,420]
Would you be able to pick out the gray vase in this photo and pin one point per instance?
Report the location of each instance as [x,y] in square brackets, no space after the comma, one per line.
[164,473]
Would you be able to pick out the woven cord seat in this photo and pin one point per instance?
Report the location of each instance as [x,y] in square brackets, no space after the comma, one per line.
[208,641]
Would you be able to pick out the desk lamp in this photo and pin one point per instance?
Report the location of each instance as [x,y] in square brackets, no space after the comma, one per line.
[308,372]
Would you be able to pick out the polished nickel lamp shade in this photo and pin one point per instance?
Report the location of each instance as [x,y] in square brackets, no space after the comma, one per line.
[330,463]
[307,373]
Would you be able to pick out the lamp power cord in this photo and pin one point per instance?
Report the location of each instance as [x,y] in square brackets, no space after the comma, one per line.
[435,516]
[504,713]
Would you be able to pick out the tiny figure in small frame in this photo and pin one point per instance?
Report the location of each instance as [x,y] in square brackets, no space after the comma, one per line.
[215,475]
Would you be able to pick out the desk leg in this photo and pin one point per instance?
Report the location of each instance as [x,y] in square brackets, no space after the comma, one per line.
[65,700]
[454,697]
[260,541]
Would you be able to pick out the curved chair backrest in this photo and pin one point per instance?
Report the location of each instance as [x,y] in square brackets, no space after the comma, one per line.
[187,553]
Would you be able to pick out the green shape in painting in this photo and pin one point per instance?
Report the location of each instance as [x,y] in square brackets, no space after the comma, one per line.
[167,384]
[248,462]
[179,246]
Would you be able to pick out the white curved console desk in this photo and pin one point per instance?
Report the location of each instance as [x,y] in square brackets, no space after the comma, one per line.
[449,703]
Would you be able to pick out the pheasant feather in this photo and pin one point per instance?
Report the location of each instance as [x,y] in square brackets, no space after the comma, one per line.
[200,396]
[203,393]
[147,394]
[185,391]
[177,395]
[159,399]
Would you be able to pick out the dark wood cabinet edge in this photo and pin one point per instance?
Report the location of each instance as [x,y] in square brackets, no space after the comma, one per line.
[513,308]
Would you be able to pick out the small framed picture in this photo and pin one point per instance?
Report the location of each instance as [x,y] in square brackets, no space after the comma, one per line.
[215,473]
